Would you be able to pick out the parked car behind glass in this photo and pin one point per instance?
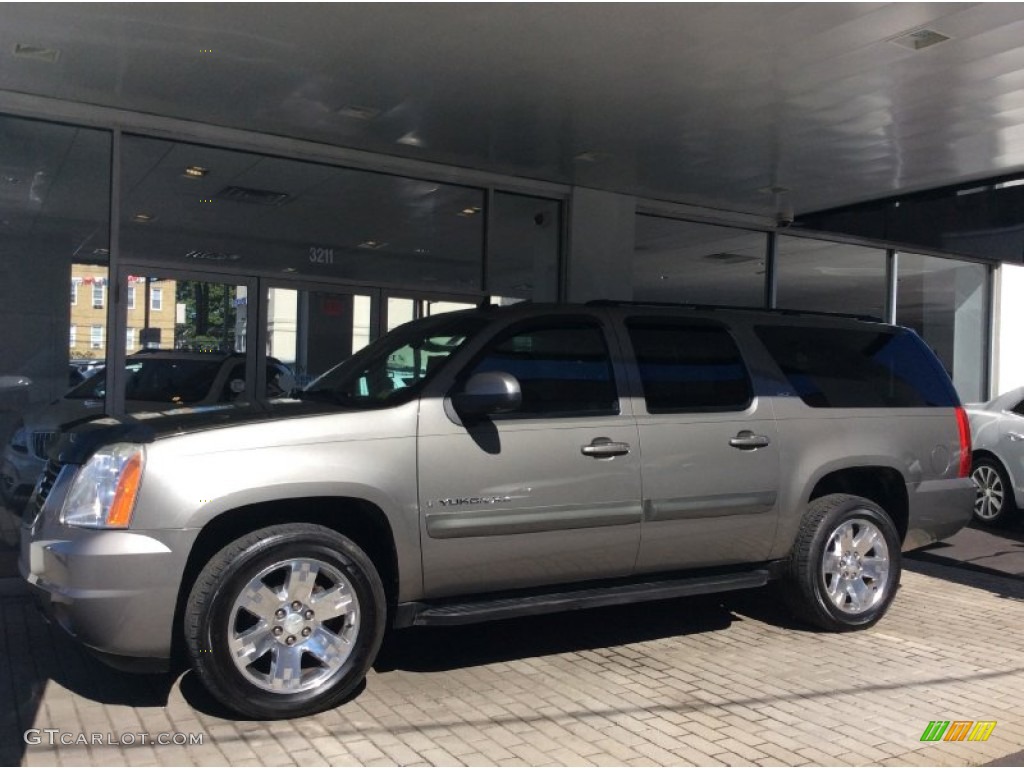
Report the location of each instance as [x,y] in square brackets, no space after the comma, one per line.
[156,381]
[998,431]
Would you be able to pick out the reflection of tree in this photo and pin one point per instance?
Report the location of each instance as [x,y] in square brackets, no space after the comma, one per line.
[209,315]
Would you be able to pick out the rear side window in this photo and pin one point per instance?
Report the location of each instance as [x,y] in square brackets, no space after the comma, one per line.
[562,365]
[686,367]
[849,368]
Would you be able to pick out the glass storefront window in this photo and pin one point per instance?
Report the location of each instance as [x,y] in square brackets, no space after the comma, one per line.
[821,276]
[946,302]
[54,247]
[256,214]
[682,261]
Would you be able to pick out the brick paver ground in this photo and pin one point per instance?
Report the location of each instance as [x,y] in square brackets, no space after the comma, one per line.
[706,681]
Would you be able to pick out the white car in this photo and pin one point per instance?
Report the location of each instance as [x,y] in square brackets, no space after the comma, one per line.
[997,432]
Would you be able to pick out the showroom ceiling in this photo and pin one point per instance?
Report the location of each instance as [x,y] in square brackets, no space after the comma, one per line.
[706,104]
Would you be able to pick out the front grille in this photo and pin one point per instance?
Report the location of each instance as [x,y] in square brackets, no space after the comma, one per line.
[42,491]
[41,443]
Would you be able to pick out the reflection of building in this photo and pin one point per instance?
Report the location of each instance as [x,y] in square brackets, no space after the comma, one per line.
[90,286]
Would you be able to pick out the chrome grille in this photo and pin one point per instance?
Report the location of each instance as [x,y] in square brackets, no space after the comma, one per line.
[41,442]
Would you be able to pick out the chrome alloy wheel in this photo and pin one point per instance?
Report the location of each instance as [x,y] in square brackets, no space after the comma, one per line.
[293,626]
[855,566]
[988,504]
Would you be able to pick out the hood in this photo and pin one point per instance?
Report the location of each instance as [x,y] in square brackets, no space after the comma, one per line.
[80,439]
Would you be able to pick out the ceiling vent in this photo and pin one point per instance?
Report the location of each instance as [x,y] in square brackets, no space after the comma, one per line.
[37,52]
[729,258]
[252,196]
[919,39]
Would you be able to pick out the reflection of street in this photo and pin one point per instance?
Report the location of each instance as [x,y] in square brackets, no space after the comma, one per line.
[718,679]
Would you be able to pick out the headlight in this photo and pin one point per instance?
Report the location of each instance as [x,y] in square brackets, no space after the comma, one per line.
[19,439]
[103,493]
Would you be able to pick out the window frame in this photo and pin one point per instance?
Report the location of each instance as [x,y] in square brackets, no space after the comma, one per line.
[547,321]
[686,323]
[98,299]
[156,299]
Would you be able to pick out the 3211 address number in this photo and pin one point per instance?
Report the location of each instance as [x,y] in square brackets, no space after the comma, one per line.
[321,255]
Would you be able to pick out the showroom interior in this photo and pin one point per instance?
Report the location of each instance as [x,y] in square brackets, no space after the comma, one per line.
[330,171]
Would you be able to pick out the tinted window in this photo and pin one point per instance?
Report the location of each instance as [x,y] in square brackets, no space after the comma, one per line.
[563,367]
[846,368]
[686,367]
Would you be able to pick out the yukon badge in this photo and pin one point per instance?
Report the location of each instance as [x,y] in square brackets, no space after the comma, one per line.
[458,501]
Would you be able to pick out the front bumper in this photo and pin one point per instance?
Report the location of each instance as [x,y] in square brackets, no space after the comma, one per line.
[938,509]
[115,591]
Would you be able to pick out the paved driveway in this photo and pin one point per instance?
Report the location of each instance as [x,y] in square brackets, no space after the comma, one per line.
[714,680]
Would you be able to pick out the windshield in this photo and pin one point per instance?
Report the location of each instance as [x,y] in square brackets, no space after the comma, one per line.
[394,368]
[159,380]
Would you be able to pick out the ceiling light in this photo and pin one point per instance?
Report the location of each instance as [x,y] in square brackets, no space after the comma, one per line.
[359,112]
[196,171]
[143,218]
[37,52]
[371,245]
[919,39]
[592,157]
[410,140]
[470,211]
[11,180]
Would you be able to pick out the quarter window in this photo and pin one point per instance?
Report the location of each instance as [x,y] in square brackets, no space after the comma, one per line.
[562,365]
[687,367]
[848,368]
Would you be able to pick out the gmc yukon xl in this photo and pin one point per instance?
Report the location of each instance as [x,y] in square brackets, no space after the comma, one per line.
[494,463]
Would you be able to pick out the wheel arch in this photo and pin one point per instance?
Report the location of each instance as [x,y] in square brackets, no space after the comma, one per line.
[883,485]
[361,521]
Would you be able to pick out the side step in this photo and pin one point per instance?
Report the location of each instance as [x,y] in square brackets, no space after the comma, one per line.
[449,613]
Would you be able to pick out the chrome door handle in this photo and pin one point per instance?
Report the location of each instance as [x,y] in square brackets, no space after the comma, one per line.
[747,440]
[603,448]
[1015,437]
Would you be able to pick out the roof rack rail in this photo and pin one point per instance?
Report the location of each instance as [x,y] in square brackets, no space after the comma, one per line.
[731,308]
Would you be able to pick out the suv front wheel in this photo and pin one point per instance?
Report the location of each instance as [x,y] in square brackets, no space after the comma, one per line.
[285,621]
[844,569]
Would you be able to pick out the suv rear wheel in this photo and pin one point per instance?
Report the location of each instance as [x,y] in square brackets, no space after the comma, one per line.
[844,569]
[285,621]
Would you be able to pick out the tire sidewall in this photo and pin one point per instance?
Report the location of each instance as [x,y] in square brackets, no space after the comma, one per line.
[854,508]
[214,624]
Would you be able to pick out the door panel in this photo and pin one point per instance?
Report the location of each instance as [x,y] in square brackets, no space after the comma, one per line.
[707,502]
[549,494]
[524,506]
[710,448]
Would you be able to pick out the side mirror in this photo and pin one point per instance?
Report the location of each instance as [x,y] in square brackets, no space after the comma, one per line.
[487,394]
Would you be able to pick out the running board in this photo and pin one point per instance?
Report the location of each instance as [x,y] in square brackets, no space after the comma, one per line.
[449,613]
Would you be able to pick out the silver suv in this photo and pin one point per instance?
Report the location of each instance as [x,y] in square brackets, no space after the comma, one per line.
[494,463]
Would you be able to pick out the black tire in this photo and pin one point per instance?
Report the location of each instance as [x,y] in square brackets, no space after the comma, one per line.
[299,663]
[852,589]
[994,504]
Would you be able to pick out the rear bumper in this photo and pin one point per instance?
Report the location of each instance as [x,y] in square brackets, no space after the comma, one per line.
[938,509]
